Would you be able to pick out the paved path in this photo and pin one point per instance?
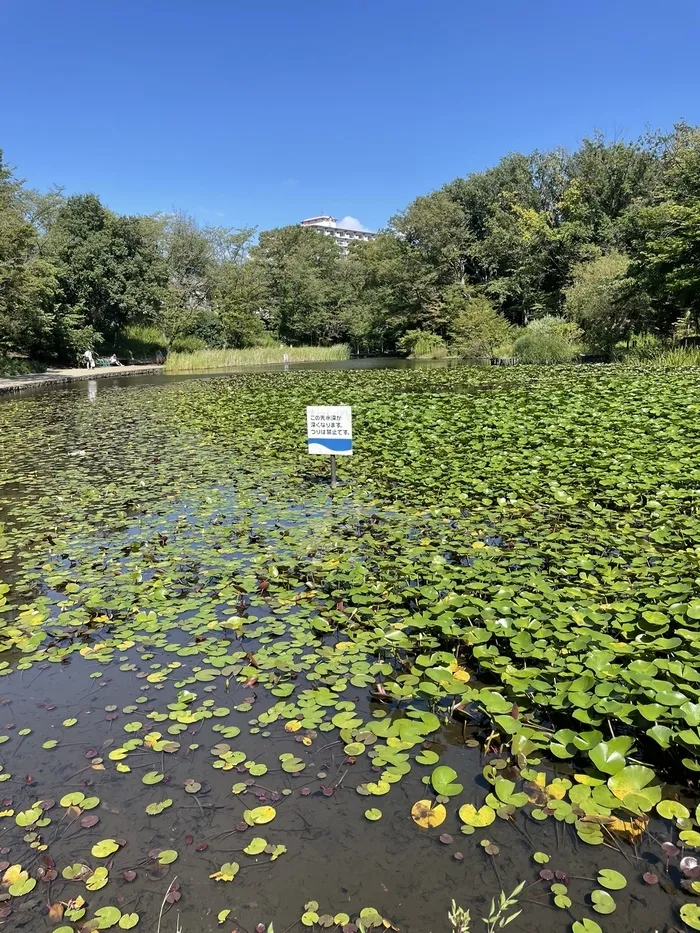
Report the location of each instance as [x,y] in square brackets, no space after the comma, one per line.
[56,376]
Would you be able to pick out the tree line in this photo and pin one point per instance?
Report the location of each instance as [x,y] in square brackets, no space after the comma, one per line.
[600,245]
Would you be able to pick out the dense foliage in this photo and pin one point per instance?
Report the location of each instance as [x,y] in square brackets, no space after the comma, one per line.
[607,236]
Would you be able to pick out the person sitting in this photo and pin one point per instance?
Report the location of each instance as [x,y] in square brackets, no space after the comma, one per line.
[113,361]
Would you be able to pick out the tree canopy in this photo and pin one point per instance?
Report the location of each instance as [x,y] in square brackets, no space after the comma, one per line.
[606,237]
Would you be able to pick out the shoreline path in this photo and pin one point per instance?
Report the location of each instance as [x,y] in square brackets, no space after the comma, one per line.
[56,376]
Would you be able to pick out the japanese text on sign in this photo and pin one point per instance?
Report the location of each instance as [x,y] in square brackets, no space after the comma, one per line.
[329,429]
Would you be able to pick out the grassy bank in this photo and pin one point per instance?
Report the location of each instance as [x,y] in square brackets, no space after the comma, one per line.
[255,356]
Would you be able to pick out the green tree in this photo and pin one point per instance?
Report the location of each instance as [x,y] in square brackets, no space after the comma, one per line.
[298,269]
[109,269]
[604,301]
[477,330]
[27,280]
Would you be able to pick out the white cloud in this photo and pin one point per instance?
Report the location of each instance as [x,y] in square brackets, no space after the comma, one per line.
[351,223]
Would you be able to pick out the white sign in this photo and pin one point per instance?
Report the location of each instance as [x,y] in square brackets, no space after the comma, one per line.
[329,430]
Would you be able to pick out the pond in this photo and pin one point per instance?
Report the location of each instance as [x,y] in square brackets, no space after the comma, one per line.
[234,697]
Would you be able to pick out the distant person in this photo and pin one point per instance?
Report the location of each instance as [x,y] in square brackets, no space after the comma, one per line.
[89,359]
[160,359]
[113,361]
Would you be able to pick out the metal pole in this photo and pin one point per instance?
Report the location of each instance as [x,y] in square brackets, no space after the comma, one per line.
[333,483]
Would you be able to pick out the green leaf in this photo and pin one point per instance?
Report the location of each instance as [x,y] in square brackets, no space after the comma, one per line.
[609,757]
[612,880]
[585,926]
[105,848]
[167,857]
[443,781]
[255,846]
[690,915]
[603,902]
[671,810]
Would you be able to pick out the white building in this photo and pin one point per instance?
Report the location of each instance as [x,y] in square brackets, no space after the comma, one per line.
[344,236]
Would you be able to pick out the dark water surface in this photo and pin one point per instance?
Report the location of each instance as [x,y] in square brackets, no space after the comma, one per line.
[137,534]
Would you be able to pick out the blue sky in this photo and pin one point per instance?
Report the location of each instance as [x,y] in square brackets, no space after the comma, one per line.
[267,112]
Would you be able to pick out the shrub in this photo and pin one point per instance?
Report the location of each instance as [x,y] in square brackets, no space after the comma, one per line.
[479,331]
[549,340]
[422,345]
[19,366]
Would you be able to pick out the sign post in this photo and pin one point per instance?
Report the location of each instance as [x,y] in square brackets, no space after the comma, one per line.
[329,433]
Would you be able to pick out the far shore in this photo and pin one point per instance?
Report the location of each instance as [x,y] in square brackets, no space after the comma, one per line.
[56,376]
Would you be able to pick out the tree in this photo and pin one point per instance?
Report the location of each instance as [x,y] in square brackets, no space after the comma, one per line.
[299,272]
[667,242]
[604,301]
[109,270]
[477,329]
[27,280]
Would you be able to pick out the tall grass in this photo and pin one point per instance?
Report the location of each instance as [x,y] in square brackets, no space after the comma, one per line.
[429,347]
[658,354]
[678,356]
[254,356]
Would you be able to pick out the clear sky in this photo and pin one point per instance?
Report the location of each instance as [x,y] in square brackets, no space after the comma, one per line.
[264,112]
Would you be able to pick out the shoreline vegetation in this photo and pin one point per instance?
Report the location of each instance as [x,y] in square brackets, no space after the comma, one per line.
[202,360]
[542,257]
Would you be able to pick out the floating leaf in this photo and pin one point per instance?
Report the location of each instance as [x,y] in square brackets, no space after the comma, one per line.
[261,815]
[484,816]
[443,781]
[128,921]
[22,886]
[105,848]
[152,777]
[671,810]
[690,915]
[255,846]
[108,917]
[373,814]
[603,902]
[153,809]
[98,879]
[585,926]
[167,856]
[427,816]
[227,872]
[612,880]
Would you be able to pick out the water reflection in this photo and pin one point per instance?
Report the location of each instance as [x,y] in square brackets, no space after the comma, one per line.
[124,380]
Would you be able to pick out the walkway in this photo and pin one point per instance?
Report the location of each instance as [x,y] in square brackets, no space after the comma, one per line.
[56,376]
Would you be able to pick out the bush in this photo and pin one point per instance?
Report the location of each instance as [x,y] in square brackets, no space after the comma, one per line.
[187,345]
[479,331]
[422,345]
[19,366]
[549,340]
